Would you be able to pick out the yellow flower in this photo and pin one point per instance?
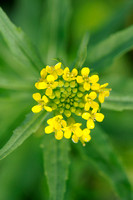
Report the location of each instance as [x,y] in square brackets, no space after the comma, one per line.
[90,103]
[91,117]
[55,70]
[69,76]
[67,96]
[85,79]
[42,103]
[56,124]
[41,83]
[84,138]
[73,128]
[101,90]
[49,84]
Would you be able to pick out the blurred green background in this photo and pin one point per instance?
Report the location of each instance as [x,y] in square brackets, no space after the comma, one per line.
[21,173]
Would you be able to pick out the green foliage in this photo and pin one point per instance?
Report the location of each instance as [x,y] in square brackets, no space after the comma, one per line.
[56,163]
[103,54]
[20,64]
[20,134]
[19,44]
[104,158]
[82,53]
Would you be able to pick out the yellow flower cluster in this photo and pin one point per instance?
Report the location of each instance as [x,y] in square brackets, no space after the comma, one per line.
[69,94]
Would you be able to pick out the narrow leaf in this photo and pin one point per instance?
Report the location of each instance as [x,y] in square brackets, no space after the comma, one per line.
[82,52]
[118,102]
[102,155]
[114,24]
[56,163]
[19,44]
[20,134]
[103,54]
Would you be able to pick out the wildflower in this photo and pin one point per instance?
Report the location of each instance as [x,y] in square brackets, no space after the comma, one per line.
[68,95]
[101,90]
[55,125]
[69,76]
[85,79]
[42,103]
[89,101]
[55,71]
[91,117]
[73,128]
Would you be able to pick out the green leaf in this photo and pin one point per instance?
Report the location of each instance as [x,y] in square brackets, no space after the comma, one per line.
[19,44]
[20,134]
[103,54]
[102,155]
[53,34]
[116,22]
[56,163]
[118,102]
[82,52]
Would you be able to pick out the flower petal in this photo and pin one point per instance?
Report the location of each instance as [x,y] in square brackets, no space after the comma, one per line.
[86,116]
[49,129]
[36,96]
[79,79]
[99,117]
[37,108]
[90,124]
[87,86]
[59,135]
[94,79]
[85,71]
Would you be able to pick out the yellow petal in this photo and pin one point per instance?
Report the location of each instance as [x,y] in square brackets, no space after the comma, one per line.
[92,95]
[49,69]
[47,108]
[94,79]
[66,70]
[86,116]
[99,117]
[75,72]
[101,97]
[57,125]
[50,78]
[64,124]
[104,85]
[90,124]
[43,73]
[50,121]
[86,131]
[41,85]
[45,99]
[87,106]
[85,71]
[49,91]
[36,96]
[106,93]
[48,129]
[59,135]
[55,84]
[54,74]
[87,86]
[79,79]
[57,66]
[95,86]
[67,133]
[78,132]
[94,105]
[59,72]
[37,108]
[86,138]
[75,139]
